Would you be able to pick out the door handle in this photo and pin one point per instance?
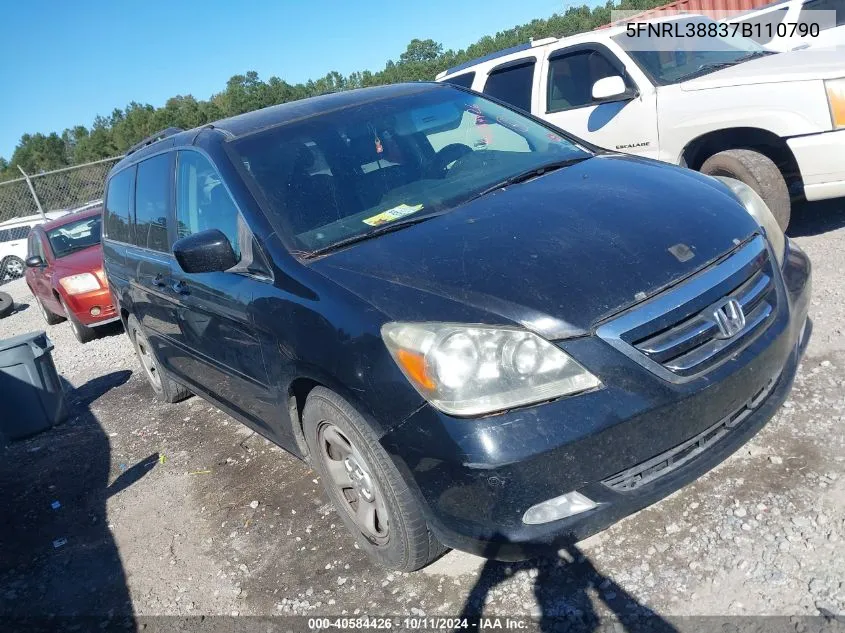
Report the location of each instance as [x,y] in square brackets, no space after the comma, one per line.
[179,287]
[158,280]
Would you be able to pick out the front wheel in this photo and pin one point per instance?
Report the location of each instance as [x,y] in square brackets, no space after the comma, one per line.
[373,500]
[164,386]
[82,332]
[758,172]
[50,318]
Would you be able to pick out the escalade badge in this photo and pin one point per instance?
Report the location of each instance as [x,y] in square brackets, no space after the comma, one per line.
[729,318]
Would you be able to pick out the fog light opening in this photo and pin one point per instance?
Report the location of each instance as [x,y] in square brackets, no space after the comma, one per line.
[558,508]
[95,311]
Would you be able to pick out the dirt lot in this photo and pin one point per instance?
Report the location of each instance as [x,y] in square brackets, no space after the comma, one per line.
[180,510]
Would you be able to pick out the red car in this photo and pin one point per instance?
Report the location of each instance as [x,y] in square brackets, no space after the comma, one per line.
[65,272]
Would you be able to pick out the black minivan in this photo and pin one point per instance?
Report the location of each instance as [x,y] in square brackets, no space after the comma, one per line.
[481,332]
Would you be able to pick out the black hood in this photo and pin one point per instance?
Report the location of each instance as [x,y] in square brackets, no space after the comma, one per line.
[555,254]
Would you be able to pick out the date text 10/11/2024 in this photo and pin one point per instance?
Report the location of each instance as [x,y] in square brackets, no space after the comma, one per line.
[421,623]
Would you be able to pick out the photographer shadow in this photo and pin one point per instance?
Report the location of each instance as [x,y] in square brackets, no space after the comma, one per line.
[562,587]
[60,568]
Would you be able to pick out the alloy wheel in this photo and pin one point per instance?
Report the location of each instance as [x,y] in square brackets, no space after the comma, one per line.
[145,355]
[14,268]
[350,475]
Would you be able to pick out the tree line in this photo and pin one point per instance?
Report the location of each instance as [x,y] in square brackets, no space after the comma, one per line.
[112,135]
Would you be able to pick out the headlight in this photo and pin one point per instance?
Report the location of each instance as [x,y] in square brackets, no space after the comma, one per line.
[472,370]
[835,89]
[77,284]
[759,211]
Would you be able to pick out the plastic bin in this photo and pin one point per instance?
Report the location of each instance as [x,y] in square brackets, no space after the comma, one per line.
[31,395]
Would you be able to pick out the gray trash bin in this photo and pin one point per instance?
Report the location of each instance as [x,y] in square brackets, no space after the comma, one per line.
[31,395]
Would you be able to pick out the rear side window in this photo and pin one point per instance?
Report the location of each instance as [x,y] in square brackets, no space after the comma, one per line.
[16,233]
[464,81]
[117,225]
[512,84]
[152,203]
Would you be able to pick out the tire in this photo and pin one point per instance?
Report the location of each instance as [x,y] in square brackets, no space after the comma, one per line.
[82,332]
[12,268]
[50,317]
[758,172]
[7,304]
[164,386]
[402,539]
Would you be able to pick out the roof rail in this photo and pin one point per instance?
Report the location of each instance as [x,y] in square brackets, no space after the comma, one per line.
[152,138]
[532,43]
[486,58]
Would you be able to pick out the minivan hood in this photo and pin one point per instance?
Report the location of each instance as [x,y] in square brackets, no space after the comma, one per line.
[555,254]
[800,65]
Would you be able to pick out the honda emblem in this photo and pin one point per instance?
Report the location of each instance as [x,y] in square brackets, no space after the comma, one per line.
[729,318]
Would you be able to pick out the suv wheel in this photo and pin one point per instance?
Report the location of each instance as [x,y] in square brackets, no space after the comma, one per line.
[758,172]
[12,268]
[165,387]
[364,485]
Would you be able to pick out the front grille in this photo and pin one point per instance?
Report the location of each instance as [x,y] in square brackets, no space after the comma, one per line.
[674,458]
[678,334]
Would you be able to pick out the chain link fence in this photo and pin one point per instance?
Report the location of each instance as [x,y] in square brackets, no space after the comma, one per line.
[62,189]
[66,188]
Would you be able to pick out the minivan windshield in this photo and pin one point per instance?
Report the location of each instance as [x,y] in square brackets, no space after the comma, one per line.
[352,173]
[687,48]
[74,236]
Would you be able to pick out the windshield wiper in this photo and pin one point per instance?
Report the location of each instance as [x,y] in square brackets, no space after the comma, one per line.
[381,230]
[755,55]
[528,174]
[707,68]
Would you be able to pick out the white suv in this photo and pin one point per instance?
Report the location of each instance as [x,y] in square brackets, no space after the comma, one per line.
[775,121]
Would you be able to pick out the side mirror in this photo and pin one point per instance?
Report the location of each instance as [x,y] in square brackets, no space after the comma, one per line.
[34,262]
[204,252]
[612,89]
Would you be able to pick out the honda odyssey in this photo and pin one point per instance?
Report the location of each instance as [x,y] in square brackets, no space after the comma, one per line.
[481,332]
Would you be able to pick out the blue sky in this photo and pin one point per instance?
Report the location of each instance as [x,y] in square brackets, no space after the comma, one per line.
[66,62]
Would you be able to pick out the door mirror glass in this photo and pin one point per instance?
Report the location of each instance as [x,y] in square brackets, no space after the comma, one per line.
[34,262]
[610,88]
[205,252]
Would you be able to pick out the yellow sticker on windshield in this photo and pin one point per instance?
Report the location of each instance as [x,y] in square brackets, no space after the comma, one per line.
[392,214]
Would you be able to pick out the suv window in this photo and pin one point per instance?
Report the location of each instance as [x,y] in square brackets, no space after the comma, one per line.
[152,203]
[571,79]
[464,81]
[512,84]
[202,201]
[117,225]
[16,233]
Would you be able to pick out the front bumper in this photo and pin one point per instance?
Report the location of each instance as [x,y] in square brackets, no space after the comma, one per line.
[476,478]
[821,161]
[82,304]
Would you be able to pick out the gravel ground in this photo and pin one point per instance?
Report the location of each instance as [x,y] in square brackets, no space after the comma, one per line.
[180,510]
